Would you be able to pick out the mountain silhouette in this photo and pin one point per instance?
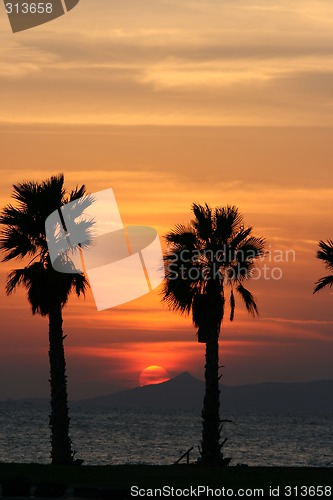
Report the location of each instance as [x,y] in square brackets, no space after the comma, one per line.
[182,391]
[185,392]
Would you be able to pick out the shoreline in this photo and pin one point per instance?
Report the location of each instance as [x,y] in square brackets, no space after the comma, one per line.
[157,476]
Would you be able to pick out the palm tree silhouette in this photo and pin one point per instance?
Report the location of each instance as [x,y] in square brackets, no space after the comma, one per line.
[325,253]
[213,252]
[48,291]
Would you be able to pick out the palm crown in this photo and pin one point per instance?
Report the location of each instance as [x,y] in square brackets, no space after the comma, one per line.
[214,251]
[24,236]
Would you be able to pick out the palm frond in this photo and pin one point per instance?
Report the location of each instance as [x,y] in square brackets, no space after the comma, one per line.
[248,299]
[227,221]
[250,249]
[178,295]
[78,192]
[202,223]
[239,271]
[80,284]
[15,243]
[76,209]
[25,192]
[12,216]
[24,220]
[232,305]
[326,253]
[326,281]
[182,237]
[14,279]
[237,238]
[183,280]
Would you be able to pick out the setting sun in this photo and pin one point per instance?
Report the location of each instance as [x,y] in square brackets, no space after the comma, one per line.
[153,375]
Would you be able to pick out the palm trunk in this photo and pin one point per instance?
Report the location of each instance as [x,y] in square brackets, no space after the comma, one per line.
[61,452]
[211,447]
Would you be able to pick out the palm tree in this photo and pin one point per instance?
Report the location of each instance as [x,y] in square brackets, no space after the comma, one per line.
[213,252]
[24,236]
[325,253]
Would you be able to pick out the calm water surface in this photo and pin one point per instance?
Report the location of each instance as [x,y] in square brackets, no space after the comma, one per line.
[103,436]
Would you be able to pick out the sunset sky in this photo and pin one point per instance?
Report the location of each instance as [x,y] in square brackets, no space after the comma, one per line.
[169,103]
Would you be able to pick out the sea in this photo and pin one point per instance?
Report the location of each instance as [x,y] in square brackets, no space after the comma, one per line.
[104,436]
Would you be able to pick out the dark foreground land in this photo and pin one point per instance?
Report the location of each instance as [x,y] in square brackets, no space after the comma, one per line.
[116,481]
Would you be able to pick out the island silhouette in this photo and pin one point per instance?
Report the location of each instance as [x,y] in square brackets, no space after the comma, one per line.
[185,392]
